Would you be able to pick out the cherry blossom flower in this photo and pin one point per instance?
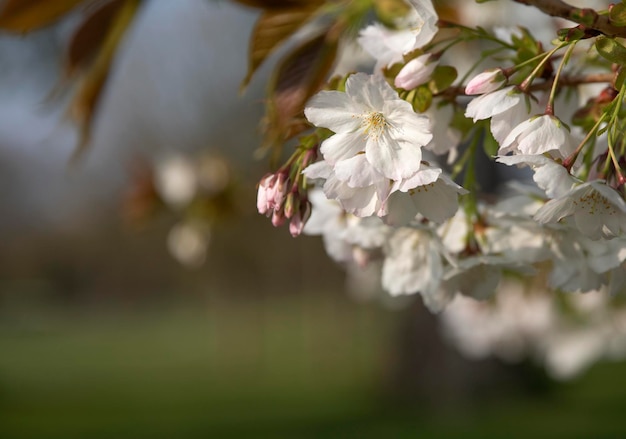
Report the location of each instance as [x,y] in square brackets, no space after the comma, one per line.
[446,139]
[388,46]
[510,326]
[494,103]
[412,263]
[344,235]
[370,117]
[597,210]
[507,108]
[549,175]
[538,135]
[429,193]
[571,271]
[360,201]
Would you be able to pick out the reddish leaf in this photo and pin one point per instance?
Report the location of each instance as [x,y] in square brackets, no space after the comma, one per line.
[85,102]
[90,35]
[271,29]
[26,15]
[300,75]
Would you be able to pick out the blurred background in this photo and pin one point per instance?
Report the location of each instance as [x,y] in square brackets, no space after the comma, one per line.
[124,315]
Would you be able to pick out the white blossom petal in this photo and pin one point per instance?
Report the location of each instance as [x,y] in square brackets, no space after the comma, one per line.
[342,146]
[490,104]
[333,110]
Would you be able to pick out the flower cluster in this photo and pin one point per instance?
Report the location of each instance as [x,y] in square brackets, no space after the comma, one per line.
[373,165]
[567,333]
[281,197]
[379,194]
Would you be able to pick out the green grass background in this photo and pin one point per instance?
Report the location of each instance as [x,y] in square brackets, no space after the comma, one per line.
[300,366]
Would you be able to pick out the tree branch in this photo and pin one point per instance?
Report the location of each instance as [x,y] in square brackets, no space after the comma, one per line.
[588,18]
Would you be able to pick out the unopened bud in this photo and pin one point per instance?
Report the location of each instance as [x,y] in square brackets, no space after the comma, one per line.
[361,256]
[416,72]
[265,194]
[300,219]
[278,218]
[290,205]
[485,82]
[280,190]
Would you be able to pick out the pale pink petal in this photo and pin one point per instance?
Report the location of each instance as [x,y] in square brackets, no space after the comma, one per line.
[424,176]
[490,104]
[395,160]
[342,146]
[358,172]
[503,123]
[333,110]
[369,91]
[437,201]
[549,175]
[400,210]
[406,125]
[318,170]
[539,135]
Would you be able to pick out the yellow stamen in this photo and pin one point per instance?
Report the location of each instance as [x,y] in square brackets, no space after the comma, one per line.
[373,124]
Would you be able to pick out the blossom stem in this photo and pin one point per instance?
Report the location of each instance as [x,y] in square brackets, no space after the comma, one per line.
[469,180]
[616,165]
[516,67]
[484,56]
[555,82]
[429,48]
[569,161]
[477,34]
[528,81]
[615,132]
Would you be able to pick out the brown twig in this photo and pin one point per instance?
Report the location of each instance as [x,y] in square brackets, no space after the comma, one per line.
[572,81]
[586,17]
[565,81]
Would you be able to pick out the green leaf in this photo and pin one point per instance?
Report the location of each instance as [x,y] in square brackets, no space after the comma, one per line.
[389,11]
[617,14]
[526,41]
[460,122]
[422,98]
[490,144]
[571,34]
[610,49]
[442,78]
[25,15]
[619,78]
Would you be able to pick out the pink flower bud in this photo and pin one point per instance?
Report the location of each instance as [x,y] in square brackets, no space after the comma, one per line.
[300,219]
[361,256]
[290,205]
[278,218]
[416,72]
[485,82]
[280,190]
[265,193]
